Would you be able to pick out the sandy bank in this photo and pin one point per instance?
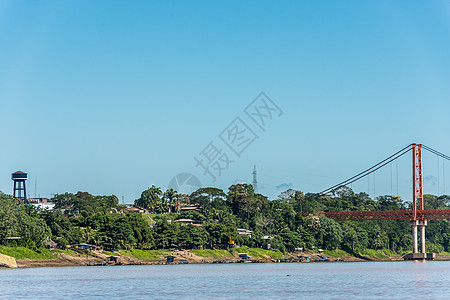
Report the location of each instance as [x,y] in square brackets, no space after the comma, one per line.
[98,258]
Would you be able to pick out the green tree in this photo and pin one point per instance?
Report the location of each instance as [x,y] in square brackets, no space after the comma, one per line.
[330,233]
[219,234]
[117,233]
[142,232]
[166,232]
[150,199]
[14,222]
[84,203]
[193,236]
[244,203]
[204,196]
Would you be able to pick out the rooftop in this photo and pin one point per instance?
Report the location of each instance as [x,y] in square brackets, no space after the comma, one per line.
[19,172]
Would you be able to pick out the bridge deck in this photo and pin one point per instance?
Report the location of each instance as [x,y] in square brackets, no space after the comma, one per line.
[386,215]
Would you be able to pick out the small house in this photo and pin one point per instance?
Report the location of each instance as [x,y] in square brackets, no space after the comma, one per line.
[137,209]
[85,247]
[242,231]
[191,208]
[244,256]
[267,239]
[116,260]
[185,221]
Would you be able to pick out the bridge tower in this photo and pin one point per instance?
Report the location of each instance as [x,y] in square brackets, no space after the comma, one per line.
[418,221]
[20,190]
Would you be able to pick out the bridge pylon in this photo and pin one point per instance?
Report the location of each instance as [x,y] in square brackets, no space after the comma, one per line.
[418,197]
[417,178]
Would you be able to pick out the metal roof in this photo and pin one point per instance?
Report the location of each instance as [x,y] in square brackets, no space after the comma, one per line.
[19,172]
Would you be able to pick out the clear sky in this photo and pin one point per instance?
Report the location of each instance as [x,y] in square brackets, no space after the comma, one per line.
[110,97]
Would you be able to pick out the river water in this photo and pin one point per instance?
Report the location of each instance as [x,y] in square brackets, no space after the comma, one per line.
[363,280]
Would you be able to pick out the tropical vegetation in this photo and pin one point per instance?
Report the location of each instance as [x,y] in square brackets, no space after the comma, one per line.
[163,222]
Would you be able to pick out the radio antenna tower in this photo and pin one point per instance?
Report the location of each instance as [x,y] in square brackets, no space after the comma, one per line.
[255,182]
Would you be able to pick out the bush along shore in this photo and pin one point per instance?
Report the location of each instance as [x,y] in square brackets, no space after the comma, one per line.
[214,225]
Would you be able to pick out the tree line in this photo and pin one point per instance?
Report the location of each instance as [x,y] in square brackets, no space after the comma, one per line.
[101,220]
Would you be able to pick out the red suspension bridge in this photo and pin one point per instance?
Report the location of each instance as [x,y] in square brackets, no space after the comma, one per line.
[417,215]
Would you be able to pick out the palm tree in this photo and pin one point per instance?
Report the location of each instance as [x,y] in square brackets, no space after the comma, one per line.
[171,195]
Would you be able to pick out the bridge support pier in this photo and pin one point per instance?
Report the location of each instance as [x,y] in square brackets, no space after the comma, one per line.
[422,224]
[414,235]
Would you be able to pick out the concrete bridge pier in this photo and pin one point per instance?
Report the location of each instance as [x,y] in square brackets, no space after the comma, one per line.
[416,254]
[422,224]
[414,224]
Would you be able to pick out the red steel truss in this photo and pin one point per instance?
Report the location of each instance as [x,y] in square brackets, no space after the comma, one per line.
[417,179]
[386,215]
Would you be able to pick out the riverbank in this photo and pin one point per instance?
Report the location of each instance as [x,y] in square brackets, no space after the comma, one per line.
[187,257]
[65,258]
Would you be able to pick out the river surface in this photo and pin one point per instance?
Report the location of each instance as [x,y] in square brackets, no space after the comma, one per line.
[363,280]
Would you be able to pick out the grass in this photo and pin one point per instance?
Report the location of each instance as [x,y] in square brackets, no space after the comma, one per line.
[154,255]
[67,251]
[387,252]
[336,253]
[24,253]
[277,254]
[253,252]
[259,253]
[262,253]
[143,254]
[384,253]
[212,253]
[371,252]
[225,253]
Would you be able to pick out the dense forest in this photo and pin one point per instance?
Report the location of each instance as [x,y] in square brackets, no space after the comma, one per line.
[157,223]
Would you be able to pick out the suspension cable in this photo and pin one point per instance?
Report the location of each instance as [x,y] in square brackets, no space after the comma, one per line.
[396,172]
[443,173]
[444,157]
[438,176]
[436,152]
[390,165]
[370,170]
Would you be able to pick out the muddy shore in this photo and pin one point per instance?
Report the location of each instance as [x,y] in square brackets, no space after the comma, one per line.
[181,257]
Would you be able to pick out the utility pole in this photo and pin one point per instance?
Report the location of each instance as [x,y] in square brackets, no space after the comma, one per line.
[255,182]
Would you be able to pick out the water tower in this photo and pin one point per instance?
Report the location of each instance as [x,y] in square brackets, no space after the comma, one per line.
[19,178]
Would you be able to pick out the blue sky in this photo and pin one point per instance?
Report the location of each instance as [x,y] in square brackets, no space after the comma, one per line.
[111,97]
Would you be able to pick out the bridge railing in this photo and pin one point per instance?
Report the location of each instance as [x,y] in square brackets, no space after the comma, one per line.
[385,215]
